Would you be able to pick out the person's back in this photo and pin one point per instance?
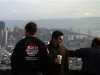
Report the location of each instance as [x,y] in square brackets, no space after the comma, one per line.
[29,55]
[91,58]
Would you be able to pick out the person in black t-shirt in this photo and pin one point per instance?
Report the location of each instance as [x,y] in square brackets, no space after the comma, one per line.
[90,57]
[29,56]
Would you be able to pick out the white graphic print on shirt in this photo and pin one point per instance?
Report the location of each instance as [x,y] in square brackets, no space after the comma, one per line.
[32,50]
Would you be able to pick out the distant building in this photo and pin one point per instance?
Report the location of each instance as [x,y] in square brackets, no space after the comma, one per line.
[2,33]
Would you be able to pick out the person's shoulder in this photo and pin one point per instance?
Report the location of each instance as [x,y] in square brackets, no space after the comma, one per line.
[19,44]
[39,41]
[83,49]
[65,48]
[20,41]
[88,49]
[95,50]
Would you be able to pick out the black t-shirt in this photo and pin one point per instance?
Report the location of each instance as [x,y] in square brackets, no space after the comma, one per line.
[90,58]
[29,54]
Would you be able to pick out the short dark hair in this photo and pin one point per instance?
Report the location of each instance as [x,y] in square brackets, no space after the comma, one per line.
[95,42]
[31,27]
[56,34]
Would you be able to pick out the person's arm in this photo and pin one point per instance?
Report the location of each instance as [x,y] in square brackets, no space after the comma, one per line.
[78,53]
[83,52]
[44,57]
[15,56]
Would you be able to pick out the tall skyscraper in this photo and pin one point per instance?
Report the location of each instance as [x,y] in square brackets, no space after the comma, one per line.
[2,33]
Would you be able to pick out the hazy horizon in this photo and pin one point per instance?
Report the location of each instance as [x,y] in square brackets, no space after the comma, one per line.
[48,9]
[84,25]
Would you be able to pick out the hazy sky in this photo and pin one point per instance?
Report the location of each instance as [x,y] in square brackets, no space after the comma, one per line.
[44,9]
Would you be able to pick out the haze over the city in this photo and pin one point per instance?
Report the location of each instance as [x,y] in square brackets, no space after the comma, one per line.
[83,15]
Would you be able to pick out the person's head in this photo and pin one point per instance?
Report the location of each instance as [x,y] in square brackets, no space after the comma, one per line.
[95,42]
[30,28]
[57,38]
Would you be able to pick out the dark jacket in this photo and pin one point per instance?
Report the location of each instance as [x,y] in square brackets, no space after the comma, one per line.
[57,69]
[91,59]
[21,61]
